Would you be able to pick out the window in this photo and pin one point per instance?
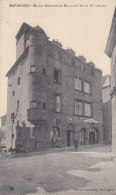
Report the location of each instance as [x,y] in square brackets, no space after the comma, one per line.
[57,76]
[13,93]
[44,71]
[82,68]
[87,109]
[17,104]
[33,104]
[44,106]
[18,80]
[87,88]
[12,116]
[78,108]
[32,68]
[77,84]
[58,103]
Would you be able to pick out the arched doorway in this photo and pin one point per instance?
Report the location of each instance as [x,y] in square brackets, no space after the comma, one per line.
[82,136]
[93,136]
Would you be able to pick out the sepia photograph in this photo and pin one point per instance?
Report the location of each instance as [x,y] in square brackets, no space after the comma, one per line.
[57,97]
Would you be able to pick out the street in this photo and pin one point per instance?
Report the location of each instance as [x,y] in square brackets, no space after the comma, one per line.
[90,170]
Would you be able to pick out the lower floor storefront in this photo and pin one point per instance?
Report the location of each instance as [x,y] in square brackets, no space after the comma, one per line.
[44,136]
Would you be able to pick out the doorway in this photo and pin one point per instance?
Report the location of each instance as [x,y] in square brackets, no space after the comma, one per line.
[93,136]
[70,138]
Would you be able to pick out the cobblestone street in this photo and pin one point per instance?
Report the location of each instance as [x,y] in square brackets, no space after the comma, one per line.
[91,170]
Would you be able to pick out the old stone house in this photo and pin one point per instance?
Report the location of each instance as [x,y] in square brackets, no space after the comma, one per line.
[53,95]
[107,110]
[110,51]
[3,130]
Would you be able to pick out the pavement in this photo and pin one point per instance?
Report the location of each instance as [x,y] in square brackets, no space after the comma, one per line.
[89,171]
[101,177]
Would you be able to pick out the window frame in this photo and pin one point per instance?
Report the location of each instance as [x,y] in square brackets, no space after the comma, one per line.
[79,84]
[76,101]
[57,110]
[87,103]
[86,82]
[57,81]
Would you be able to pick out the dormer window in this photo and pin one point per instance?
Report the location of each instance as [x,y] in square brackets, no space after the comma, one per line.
[32,68]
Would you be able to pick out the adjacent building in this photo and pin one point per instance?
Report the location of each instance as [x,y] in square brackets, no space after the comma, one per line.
[107,113]
[3,130]
[110,51]
[54,96]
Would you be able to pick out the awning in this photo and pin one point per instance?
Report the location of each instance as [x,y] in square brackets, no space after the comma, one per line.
[90,120]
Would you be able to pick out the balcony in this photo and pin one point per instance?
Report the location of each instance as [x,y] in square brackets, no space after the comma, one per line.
[35,114]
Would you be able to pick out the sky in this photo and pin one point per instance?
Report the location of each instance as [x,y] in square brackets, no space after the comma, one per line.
[84,29]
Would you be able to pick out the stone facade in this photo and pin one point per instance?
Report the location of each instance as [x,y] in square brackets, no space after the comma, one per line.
[111,52]
[52,91]
[107,113]
[3,130]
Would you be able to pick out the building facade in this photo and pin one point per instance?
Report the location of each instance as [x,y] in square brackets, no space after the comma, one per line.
[110,51]
[53,93]
[107,113]
[3,130]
